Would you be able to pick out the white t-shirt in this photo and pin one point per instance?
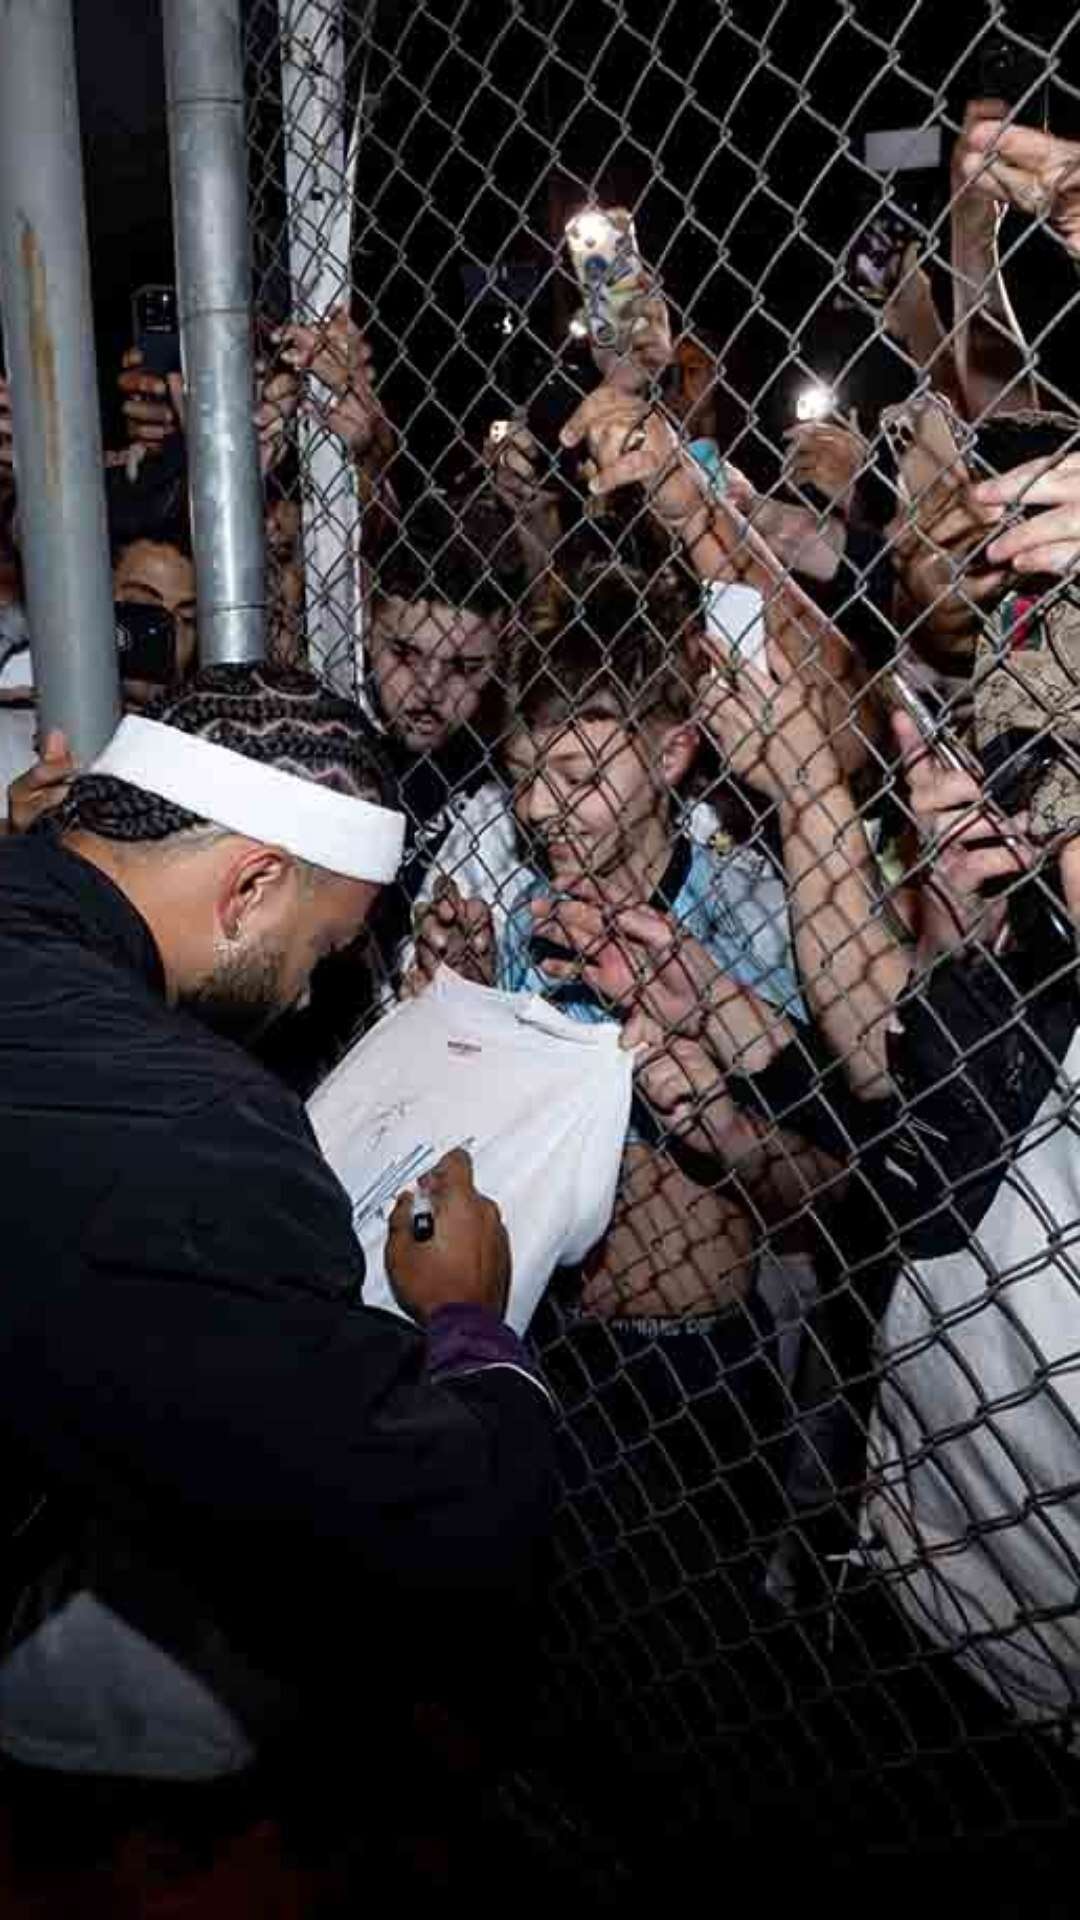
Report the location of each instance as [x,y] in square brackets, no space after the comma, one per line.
[975,1439]
[540,1101]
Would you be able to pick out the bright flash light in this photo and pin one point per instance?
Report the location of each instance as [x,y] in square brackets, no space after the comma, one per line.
[587,230]
[506,324]
[578,328]
[815,402]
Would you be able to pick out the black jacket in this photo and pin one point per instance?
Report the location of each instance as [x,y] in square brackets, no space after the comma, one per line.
[180,1341]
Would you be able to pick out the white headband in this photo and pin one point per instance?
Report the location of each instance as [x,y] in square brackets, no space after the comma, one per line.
[329,829]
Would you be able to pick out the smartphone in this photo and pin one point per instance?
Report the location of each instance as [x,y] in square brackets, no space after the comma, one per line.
[156,328]
[926,439]
[1005,69]
[873,261]
[942,739]
[609,270]
[145,643]
[814,401]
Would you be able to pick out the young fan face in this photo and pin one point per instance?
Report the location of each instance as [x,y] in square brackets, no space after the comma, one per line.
[590,794]
[431,664]
[151,573]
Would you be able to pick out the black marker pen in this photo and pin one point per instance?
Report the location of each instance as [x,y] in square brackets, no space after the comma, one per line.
[423,1218]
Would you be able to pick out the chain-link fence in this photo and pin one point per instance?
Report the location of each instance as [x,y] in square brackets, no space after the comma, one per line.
[673,668]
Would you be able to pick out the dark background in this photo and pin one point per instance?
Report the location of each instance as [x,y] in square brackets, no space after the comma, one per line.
[734,131]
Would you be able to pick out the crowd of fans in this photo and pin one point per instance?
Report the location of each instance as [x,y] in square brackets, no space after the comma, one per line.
[785,781]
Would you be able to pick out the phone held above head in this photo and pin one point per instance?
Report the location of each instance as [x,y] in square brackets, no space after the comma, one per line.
[610,272]
[156,328]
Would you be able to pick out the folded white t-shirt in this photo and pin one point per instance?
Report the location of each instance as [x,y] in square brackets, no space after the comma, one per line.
[540,1102]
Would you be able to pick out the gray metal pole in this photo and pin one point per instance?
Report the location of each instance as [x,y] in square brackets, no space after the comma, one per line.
[49,341]
[204,82]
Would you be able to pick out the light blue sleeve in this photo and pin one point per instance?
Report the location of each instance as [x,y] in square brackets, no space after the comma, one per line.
[707,455]
[736,905]
[515,971]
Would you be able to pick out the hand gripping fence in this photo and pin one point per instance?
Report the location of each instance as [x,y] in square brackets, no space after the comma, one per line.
[817,1553]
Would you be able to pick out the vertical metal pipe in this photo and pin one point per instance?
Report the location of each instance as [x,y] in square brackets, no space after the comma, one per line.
[204,83]
[49,342]
[320,177]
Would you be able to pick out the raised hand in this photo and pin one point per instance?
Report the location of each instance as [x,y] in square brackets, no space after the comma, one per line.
[512,457]
[337,356]
[1025,168]
[467,1260]
[452,931]
[630,442]
[634,956]
[827,455]
[970,846]
[1047,542]
[153,405]
[44,786]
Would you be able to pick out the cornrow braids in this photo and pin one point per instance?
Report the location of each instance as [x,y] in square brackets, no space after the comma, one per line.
[98,803]
[281,716]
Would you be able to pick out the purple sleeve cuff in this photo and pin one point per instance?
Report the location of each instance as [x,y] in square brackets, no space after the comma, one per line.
[469,1339]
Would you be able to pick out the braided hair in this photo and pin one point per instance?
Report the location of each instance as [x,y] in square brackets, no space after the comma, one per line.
[281,716]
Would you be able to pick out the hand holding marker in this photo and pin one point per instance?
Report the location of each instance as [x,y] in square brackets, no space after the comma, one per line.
[423,1217]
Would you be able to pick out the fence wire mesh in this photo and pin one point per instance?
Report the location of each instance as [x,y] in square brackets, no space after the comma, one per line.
[818,1546]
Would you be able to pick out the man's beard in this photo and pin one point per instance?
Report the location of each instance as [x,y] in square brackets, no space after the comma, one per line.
[242,997]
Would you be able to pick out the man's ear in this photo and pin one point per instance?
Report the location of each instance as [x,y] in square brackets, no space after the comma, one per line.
[256,878]
[677,752]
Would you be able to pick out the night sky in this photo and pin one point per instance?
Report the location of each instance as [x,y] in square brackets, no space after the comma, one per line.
[734,132]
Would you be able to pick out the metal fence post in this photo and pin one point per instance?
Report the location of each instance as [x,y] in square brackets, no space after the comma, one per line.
[204,81]
[49,337]
[320,171]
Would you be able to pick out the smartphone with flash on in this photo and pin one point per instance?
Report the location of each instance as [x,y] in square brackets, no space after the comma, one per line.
[609,270]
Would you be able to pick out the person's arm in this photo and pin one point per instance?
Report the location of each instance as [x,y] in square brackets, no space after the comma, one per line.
[153,404]
[969,850]
[632,444]
[647,965]
[309,1463]
[774,1171]
[696,1027]
[798,538]
[944,577]
[911,318]
[827,457]
[993,359]
[43,787]
[1046,542]
[852,968]
[336,356]
[1023,167]
[513,459]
